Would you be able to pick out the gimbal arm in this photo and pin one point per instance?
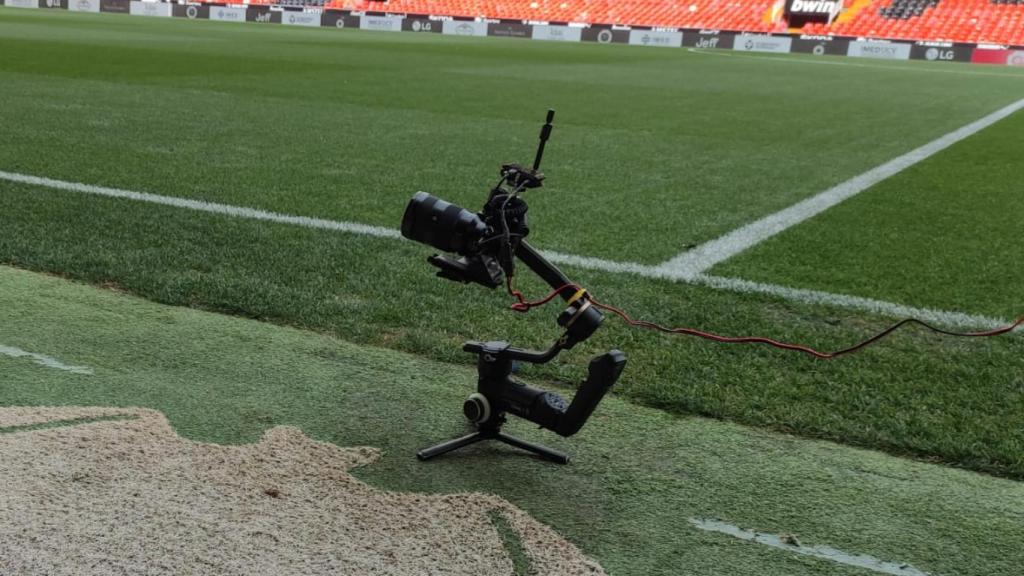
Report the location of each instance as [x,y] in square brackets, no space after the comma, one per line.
[546,270]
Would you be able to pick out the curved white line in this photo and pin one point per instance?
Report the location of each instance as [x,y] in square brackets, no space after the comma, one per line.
[43,360]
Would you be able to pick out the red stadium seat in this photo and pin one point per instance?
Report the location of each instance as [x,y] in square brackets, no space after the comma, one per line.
[976,21]
[725,15]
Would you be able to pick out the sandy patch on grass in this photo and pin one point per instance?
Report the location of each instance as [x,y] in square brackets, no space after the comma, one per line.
[132,497]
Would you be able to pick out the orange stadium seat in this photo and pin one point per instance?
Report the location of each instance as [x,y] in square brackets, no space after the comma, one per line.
[977,21]
[724,15]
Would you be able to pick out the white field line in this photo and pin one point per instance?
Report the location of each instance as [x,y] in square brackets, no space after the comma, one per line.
[43,360]
[880,307]
[824,552]
[702,258]
[952,319]
[201,206]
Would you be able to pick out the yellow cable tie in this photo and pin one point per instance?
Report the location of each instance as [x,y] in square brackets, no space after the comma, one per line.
[579,294]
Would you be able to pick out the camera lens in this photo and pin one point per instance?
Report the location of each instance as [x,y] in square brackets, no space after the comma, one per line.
[443,225]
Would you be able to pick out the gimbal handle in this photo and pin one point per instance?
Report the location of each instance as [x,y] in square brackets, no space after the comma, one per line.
[512,353]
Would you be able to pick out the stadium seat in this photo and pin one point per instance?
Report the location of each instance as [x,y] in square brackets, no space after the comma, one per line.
[977,21]
[724,15]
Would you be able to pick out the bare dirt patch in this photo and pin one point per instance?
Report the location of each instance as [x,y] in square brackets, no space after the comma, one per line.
[130,496]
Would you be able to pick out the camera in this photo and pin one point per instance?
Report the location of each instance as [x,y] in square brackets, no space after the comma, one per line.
[486,246]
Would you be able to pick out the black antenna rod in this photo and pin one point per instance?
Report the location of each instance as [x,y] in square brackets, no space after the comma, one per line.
[545,133]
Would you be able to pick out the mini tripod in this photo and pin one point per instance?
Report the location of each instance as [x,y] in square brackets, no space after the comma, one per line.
[498,393]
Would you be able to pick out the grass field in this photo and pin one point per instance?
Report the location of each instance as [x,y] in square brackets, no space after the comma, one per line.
[654,152]
[639,477]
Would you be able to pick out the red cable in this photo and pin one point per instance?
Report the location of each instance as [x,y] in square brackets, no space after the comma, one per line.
[524,306]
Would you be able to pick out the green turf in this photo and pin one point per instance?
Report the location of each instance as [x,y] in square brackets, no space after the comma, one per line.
[346,124]
[638,476]
[513,544]
[955,400]
[944,234]
[654,151]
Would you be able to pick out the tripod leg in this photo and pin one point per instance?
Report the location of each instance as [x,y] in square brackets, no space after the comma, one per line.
[542,451]
[444,447]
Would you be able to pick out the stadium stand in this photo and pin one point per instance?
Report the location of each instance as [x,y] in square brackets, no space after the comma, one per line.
[974,21]
[724,15]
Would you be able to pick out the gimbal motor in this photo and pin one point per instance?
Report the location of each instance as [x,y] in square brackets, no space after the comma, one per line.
[488,244]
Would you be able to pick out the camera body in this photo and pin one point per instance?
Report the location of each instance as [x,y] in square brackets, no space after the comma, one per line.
[485,242]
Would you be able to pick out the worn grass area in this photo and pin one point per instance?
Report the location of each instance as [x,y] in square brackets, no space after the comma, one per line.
[654,150]
[944,234]
[638,474]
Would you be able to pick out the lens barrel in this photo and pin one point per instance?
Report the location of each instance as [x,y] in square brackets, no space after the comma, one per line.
[441,224]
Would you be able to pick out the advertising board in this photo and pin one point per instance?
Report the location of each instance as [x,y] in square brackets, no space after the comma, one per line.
[417,24]
[820,45]
[656,38]
[990,56]
[190,11]
[708,39]
[227,13]
[940,52]
[22,3]
[880,50]
[262,15]
[604,35]
[760,43]
[381,23]
[156,9]
[337,19]
[83,5]
[300,18]
[508,30]
[800,12]
[464,28]
[116,6]
[557,33]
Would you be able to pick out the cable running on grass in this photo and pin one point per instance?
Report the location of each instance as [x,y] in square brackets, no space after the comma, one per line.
[522,305]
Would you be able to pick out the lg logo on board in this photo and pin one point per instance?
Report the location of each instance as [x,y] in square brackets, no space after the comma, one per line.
[936,54]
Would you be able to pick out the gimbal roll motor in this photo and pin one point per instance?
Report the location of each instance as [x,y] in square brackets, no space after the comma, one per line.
[488,244]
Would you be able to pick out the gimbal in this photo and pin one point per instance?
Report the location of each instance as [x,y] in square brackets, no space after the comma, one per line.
[489,243]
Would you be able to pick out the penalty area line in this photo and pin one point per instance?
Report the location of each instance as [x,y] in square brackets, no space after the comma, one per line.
[707,255]
[946,318]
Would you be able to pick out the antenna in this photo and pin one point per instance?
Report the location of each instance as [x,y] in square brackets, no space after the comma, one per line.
[545,133]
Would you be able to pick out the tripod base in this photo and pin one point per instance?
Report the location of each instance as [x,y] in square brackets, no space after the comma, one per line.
[445,447]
